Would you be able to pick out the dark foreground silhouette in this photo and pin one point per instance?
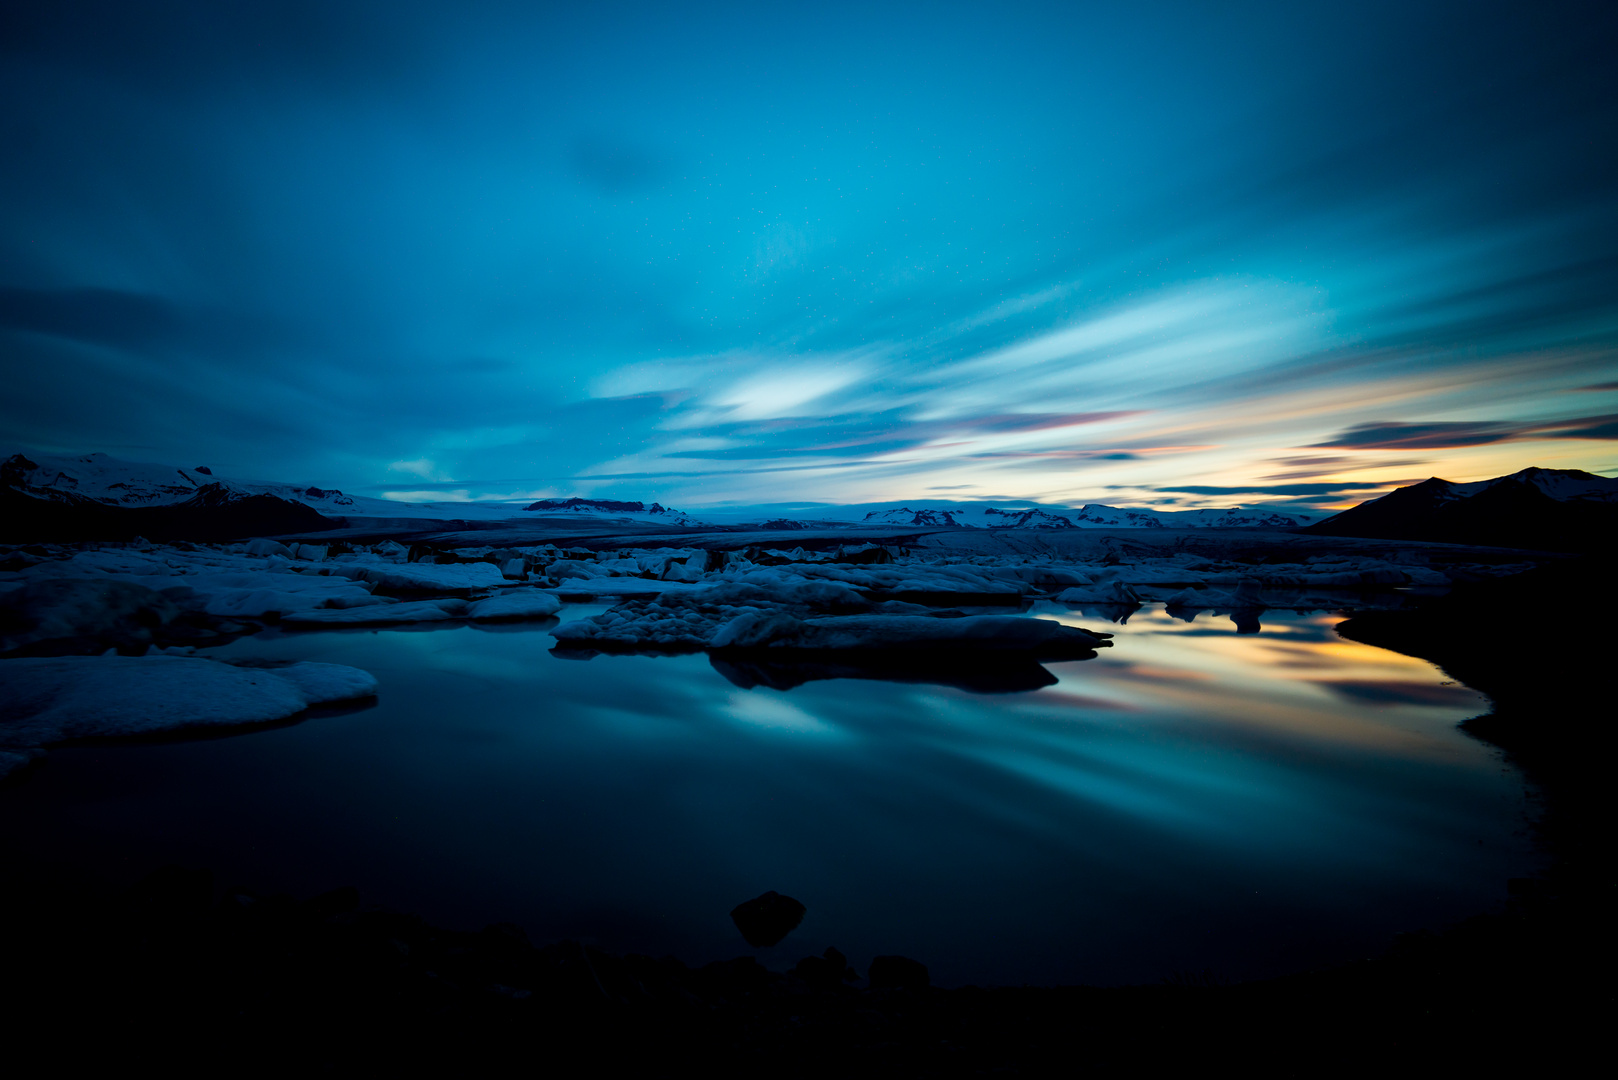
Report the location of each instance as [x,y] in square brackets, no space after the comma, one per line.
[172,974]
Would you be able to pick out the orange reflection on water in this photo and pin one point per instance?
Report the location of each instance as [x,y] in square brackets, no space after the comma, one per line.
[1296,679]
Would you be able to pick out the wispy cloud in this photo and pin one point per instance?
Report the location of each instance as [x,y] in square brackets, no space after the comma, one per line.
[1448,435]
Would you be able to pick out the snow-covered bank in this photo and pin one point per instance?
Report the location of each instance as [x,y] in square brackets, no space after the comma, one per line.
[55,699]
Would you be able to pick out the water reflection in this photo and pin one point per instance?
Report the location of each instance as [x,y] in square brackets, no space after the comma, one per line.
[1192,798]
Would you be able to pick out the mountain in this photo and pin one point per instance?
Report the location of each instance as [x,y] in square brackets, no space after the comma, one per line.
[903,515]
[109,481]
[1540,509]
[655,513]
[100,480]
[97,497]
[207,515]
[1090,516]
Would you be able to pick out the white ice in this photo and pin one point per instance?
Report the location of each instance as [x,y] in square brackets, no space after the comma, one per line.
[53,699]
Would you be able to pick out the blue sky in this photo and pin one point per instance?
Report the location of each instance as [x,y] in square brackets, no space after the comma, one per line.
[1156,254]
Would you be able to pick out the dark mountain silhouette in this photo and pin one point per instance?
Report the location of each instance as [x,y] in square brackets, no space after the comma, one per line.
[214,513]
[1538,509]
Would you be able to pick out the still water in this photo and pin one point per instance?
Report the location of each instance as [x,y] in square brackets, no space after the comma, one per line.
[1193,800]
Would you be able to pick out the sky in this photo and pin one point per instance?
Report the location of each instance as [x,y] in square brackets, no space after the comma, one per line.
[1154,254]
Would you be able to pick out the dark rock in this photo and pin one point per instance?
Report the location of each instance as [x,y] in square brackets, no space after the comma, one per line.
[765,920]
[825,972]
[898,972]
[504,937]
[743,975]
[337,902]
[174,892]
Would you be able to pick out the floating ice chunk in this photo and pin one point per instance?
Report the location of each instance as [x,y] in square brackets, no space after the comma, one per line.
[101,609]
[310,552]
[516,604]
[708,561]
[1111,592]
[570,569]
[1158,575]
[268,547]
[997,633]
[321,683]
[381,615]
[424,577]
[686,572]
[1045,576]
[687,616]
[236,603]
[53,699]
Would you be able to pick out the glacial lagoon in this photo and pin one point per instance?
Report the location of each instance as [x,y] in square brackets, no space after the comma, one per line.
[1193,802]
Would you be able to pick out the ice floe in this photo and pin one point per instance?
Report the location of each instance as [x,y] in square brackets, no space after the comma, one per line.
[982,633]
[424,577]
[517,604]
[45,700]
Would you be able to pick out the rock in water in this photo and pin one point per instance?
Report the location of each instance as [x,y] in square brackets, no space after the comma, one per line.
[825,972]
[898,972]
[765,920]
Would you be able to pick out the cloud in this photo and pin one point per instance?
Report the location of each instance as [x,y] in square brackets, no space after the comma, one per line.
[1324,488]
[1448,435]
[1061,455]
[99,316]
[421,467]
[286,227]
[1586,427]
[1384,436]
[1315,461]
[1307,468]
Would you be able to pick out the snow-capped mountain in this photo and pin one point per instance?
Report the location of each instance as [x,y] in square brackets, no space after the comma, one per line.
[96,497]
[113,482]
[110,481]
[1090,516]
[654,513]
[1547,509]
[903,515]
[102,479]
[1562,485]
